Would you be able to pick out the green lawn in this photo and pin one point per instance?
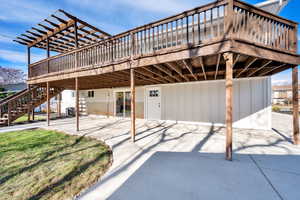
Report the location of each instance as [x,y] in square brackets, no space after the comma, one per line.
[24,118]
[43,164]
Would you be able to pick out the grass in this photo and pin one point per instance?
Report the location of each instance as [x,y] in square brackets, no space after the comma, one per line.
[24,118]
[44,164]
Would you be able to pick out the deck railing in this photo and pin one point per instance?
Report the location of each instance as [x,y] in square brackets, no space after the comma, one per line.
[220,20]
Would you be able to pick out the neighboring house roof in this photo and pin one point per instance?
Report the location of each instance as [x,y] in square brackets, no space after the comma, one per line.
[273,6]
[282,87]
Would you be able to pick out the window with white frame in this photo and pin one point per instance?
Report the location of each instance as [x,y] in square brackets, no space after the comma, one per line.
[90,94]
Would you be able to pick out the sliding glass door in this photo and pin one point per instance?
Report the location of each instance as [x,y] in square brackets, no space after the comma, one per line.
[123,104]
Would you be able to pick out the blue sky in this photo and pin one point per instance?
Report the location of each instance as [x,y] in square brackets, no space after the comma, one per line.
[113,16]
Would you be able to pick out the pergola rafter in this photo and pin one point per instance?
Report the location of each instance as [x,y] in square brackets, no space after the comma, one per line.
[59,30]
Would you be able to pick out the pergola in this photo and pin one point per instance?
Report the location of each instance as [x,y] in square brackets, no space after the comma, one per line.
[61,32]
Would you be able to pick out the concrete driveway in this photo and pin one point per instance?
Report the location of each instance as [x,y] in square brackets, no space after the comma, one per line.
[186,161]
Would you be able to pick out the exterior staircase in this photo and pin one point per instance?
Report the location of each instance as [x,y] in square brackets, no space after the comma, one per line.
[23,102]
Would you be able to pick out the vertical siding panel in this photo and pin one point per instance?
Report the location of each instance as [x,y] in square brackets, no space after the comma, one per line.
[235,100]
[181,114]
[199,102]
[196,105]
[222,102]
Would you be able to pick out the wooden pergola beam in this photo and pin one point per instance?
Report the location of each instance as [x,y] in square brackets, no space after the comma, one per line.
[34,34]
[56,30]
[84,23]
[29,37]
[39,30]
[45,27]
[59,19]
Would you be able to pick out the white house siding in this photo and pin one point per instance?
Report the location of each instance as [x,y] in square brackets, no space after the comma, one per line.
[205,102]
[196,102]
[103,101]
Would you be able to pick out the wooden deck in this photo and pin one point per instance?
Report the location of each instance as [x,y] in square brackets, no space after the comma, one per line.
[225,39]
[185,47]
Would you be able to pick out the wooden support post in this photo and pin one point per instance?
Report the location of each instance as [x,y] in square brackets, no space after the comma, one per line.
[28,62]
[29,111]
[48,103]
[48,55]
[29,72]
[29,108]
[132,86]
[229,87]
[9,113]
[32,114]
[296,138]
[59,105]
[77,103]
[33,95]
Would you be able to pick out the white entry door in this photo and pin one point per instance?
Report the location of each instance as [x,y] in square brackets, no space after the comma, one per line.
[153,107]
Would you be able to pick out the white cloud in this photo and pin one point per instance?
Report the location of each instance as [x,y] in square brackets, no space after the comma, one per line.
[19,57]
[5,39]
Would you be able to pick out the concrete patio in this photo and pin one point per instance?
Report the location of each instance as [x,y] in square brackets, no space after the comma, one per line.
[186,161]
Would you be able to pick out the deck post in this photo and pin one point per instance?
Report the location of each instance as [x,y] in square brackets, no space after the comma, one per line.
[32,114]
[132,86]
[29,108]
[229,91]
[28,62]
[48,104]
[8,113]
[77,103]
[28,72]
[295,106]
[48,55]
[32,110]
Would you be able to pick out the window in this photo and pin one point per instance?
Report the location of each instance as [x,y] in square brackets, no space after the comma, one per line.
[91,94]
[153,93]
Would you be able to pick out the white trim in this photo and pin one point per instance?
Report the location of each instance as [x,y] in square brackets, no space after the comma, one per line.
[124,90]
[146,100]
